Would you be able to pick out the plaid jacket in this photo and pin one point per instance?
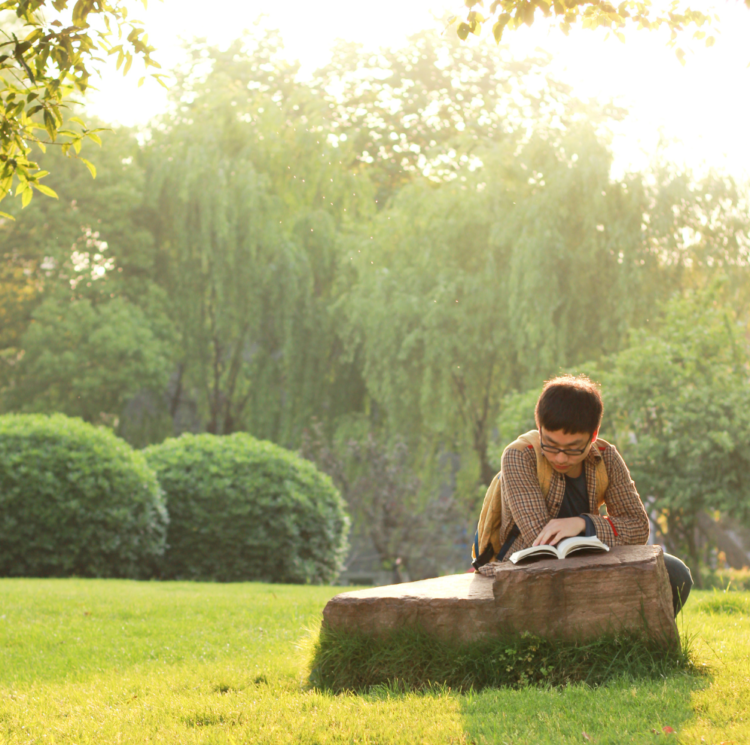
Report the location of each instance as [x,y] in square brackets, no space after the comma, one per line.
[626,522]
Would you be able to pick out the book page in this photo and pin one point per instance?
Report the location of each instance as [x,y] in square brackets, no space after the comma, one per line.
[580,543]
[540,551]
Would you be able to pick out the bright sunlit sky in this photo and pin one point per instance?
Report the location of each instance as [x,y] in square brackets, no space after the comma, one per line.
[703,108]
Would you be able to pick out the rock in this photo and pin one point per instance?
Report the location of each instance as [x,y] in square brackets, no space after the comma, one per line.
[576,598]
[460,605]
[626,588]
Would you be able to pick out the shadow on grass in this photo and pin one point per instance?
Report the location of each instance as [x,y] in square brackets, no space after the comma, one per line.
[623,710]
[524,689]
[413,660]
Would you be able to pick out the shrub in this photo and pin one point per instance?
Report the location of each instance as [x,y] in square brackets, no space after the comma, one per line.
[75,500]
[244,509]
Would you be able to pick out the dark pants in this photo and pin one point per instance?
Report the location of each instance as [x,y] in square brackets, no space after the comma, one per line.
[680,579]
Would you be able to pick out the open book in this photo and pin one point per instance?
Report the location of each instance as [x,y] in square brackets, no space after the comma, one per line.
[561,550]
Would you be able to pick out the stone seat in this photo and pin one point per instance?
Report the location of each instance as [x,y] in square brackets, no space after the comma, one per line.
[575,598]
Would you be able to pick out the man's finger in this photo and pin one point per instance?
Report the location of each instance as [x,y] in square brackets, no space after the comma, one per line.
[541,538]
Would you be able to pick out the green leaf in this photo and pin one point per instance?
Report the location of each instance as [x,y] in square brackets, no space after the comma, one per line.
[90,166]
[26,197]
[463,31]
[80,12]
[528,13]
[46,191]
[7,216]
[50,125]
[499,27]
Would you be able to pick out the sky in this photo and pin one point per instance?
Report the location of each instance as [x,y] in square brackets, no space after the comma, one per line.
[698,112]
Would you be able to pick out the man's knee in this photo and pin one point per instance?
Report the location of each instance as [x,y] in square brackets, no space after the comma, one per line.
[680,579]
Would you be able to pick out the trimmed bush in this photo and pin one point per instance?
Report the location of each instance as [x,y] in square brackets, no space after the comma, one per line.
[75,500]
[244,509]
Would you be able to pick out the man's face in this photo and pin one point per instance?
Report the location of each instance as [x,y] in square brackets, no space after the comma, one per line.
[578,443]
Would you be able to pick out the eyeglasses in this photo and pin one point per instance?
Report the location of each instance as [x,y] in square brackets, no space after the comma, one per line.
[554,451]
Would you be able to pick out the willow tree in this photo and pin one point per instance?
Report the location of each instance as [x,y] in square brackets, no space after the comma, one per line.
[579,272]
[485,284]
[429,314]
[247,197]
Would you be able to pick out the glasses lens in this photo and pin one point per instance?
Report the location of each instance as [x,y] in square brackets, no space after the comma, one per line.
[554,451]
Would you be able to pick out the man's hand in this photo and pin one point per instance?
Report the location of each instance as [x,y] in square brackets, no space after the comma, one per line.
[555,530]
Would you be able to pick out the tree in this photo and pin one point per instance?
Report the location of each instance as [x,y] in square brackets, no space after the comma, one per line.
[588,14]
[472,288]
[246,200]
[87,360]
[87,257]
[412,527]
[44,60]
[428,313]
[426,108]
[679,402]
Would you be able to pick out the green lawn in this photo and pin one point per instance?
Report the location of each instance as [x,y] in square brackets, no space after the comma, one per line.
[94,661]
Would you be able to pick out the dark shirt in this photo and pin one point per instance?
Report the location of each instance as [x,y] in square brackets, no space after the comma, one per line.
[576,502]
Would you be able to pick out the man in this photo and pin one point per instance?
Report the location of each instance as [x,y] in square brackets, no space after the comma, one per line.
[545,499]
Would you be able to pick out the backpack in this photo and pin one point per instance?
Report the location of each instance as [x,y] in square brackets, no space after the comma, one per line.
[487,539]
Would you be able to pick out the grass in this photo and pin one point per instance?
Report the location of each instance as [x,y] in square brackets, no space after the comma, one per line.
[89,661]
[411,660]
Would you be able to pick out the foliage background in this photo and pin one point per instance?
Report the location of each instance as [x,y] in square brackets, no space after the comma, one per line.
[387,259]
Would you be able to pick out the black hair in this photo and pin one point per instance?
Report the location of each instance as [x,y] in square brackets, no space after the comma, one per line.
[569,403]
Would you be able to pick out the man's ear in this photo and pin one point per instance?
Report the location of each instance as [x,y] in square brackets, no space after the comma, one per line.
[595,435]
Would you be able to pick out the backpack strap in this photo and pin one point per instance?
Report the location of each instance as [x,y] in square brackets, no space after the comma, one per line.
[543,468]
[602,477]
[487,539]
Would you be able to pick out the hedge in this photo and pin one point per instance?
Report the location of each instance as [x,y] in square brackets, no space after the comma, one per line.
[75,501]
[243,509]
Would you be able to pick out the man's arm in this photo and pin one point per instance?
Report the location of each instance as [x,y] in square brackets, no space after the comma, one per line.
[522,494]
[626,523]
